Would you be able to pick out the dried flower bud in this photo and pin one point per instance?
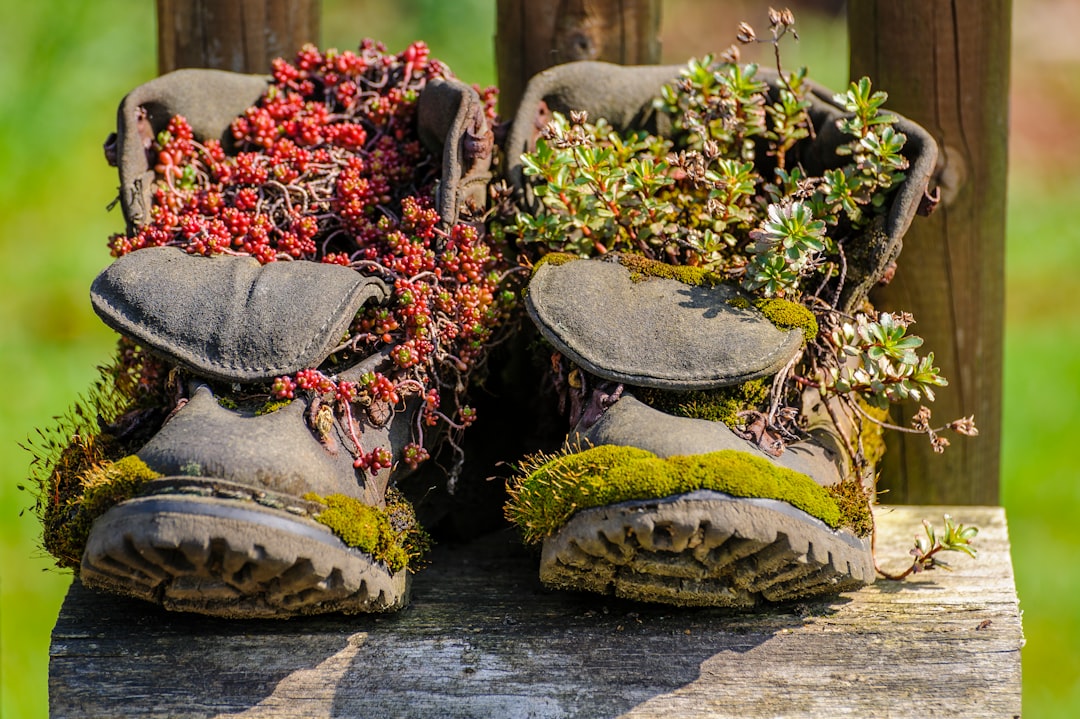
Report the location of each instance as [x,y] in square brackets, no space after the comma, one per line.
[694,165]
[578,117]
[781,21]
[579,137]
[904,319]
[921,419]
[692,121]
[500,191]
[324,422]
[746,34]
[787,414]
[965,426]
[731,56]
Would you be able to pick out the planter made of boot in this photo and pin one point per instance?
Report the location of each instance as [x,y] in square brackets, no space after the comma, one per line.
[229,525]
[697,469]
[655,507]
[270,390]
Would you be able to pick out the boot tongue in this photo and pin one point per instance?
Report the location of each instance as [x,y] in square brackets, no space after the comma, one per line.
[230,318]
[654,331]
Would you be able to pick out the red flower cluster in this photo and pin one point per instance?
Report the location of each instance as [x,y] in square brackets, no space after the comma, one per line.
[330,168]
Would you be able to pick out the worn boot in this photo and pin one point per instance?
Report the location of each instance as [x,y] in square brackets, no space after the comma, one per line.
[690,475]
[229,527]
[681,509]
[288,356]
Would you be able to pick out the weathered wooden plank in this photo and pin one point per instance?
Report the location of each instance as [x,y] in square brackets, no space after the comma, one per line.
[482,638]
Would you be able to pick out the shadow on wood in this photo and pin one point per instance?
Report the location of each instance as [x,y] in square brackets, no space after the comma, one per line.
[482,638]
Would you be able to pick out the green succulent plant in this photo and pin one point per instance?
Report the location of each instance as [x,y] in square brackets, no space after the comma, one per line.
[724,191]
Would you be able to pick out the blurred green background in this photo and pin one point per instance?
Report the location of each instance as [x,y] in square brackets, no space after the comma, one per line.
[65,65]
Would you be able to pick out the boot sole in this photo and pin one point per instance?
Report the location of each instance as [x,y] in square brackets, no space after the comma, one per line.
[231,559]
[705,548]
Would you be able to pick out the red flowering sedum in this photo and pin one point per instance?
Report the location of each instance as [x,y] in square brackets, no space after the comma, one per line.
[329,167]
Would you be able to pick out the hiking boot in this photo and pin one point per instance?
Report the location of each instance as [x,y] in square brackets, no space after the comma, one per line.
[697,470]
[229,525]
[653,506]
[298,335]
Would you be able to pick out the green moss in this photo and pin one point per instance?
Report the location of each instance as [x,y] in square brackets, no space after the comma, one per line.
[784,314]
[789,315]
[65,452]
[854,504]
[391,536]
[642,268]
[226,402]
[716,405]
[102,487]
[272,406]
[555,259]
[551,489]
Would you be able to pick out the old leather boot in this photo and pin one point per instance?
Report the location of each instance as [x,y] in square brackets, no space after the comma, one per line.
[230,525]
[692,474]
[680,509]
[300,320]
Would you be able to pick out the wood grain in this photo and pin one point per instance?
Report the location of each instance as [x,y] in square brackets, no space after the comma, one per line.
[946,66]
[482,638]
[237,35]
[533,35]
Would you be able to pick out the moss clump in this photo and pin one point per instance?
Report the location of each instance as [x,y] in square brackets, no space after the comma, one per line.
[784,314]
[63,455]
[100,488]
[272,406]
[555,259]
[78,449]
[642,268]
[716,405]
[789,315]
[60,493]
[551,489]
[854,504]
[391,536]
[114,482]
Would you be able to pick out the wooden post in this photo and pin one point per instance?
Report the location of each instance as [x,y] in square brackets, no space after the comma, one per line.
[533,35]
[237,35]
[946,66]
